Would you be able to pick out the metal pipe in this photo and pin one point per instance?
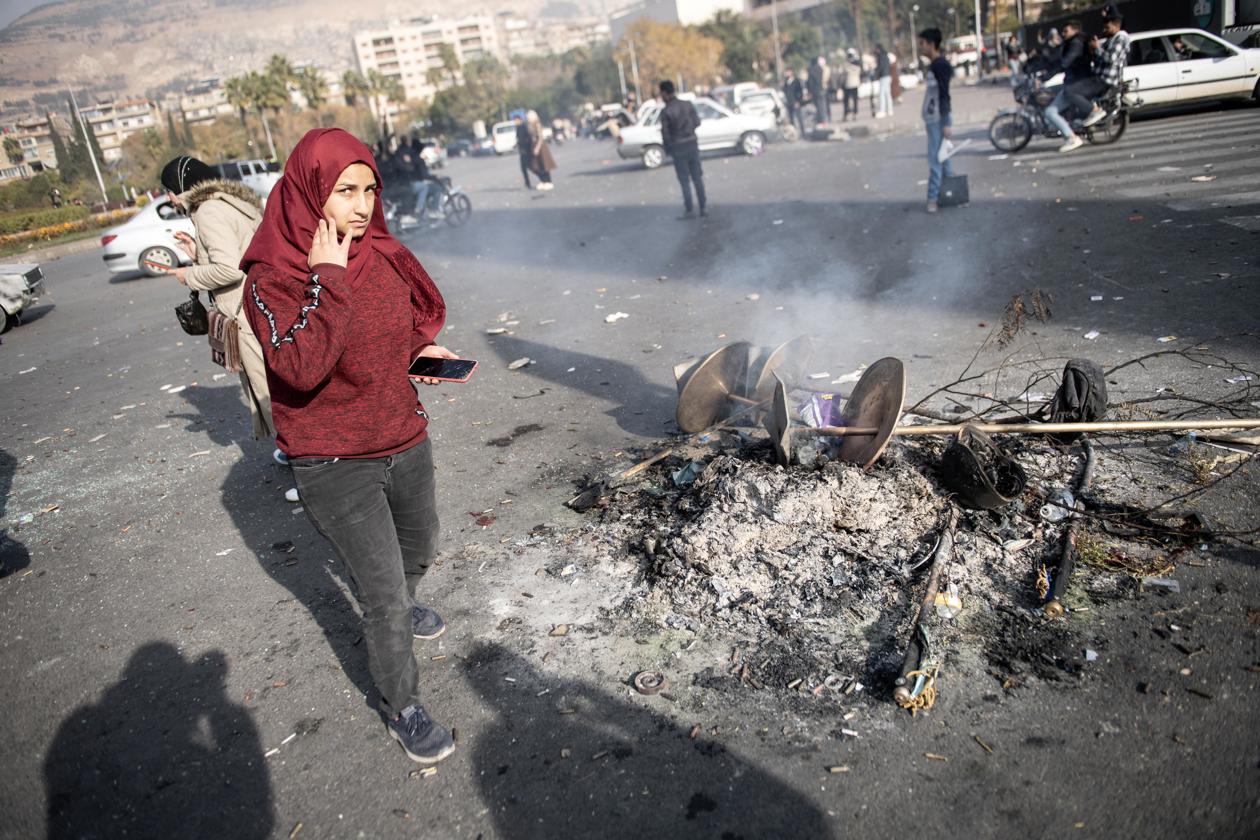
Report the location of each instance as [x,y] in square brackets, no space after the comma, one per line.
[1102,426]
[916,650]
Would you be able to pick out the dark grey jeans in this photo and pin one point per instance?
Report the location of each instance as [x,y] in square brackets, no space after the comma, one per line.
[380,514]
[687,168]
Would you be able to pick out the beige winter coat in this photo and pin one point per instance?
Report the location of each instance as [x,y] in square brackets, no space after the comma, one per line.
[225,215]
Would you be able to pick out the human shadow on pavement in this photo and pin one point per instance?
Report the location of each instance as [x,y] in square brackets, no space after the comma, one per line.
[579,762]
[14,556]
[309,571]
[163,753]
[639,410]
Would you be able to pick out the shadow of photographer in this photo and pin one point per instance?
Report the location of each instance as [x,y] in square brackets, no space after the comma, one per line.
[164,752]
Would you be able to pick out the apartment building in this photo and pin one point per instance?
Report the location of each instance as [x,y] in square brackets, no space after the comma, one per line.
[204,102]
[406,50]
[529,36]
[115,121]
[35,138]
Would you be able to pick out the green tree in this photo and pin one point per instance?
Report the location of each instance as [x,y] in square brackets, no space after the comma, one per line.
[173,141]
[65,162]
[353,87]
[311,84]
[741,41]
[282,73]
[448,73]
[13,149]
[595,73]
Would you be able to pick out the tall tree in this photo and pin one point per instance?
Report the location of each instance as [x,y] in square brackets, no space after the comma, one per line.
[65,161]
[353,87]
[670,51]
[311,84]
[447,74]
[13,149]
[741,39]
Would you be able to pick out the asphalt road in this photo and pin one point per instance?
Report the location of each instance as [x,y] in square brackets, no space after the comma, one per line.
[158,648]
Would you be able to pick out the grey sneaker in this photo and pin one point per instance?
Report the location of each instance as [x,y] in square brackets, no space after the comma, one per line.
[425,622]
[422,738]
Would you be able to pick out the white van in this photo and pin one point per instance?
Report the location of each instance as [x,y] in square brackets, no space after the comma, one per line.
[504,134]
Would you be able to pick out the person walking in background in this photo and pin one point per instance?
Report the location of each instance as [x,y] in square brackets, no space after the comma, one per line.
[936,111]
[541,162]
[794,96]
[343,310]
[225,215]
[851,82]
[817,85]
[679,122]
[894,70]
[883,77]
[524,150]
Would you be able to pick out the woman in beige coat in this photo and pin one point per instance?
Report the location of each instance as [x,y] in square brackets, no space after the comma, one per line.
[225,215]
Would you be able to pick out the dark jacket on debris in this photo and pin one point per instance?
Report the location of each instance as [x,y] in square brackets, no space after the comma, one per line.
[679,122]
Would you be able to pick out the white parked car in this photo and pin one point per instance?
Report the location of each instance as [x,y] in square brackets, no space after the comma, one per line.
[259,175]
[720,128]
[146,242]
[504,136]
[21,284]
[1172,66]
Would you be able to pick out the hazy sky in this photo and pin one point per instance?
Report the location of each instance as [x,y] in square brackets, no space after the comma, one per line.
[11,10]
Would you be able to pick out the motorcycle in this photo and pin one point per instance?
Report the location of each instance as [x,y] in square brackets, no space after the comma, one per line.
[1014,128]
[452,201]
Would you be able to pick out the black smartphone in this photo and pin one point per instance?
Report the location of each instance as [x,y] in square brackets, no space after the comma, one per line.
[450,370]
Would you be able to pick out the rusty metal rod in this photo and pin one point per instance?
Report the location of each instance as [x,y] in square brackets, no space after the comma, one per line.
[1054,607]
[1035,428]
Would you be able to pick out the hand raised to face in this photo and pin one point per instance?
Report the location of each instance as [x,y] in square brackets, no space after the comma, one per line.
[325,248]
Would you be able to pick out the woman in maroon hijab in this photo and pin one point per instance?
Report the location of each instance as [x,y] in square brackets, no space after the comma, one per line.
[342,309]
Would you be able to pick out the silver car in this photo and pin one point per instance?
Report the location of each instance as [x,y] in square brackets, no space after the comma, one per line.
[720,128]
[21,284]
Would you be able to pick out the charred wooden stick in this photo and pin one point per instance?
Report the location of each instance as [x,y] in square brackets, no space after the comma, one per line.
[1062,573]
[917,648]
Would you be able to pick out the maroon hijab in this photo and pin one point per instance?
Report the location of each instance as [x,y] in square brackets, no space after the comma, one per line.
[295,206]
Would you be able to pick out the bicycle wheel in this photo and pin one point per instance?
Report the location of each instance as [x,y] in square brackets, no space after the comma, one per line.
[1010,132]
[458,209]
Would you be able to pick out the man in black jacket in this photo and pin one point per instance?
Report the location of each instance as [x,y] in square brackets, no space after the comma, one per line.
[679,122]
[1075,64]
[794,96]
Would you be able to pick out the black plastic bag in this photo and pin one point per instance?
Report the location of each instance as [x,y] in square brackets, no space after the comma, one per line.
[192,315]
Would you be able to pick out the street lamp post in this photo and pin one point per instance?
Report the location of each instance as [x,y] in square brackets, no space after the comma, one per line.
[914,37]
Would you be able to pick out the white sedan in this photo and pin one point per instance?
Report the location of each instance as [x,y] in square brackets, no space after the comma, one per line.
[146,242]
[720,128]
[1174,66]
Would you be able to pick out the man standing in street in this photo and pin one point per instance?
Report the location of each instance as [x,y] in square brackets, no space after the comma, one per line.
[525,149]
[852,80]
[793,96]
[818,90]
[936,110]
[883,76]
[679,122]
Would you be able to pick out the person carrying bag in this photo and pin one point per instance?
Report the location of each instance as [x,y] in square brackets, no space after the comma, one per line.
[225,215]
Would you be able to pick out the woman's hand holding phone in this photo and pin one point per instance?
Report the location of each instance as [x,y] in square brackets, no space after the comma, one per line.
[433,351]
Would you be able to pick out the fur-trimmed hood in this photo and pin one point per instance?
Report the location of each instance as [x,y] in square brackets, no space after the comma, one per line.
[234,192]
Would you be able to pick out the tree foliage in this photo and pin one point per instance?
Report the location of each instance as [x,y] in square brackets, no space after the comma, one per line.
[741,40]
[669,51]
[482,96]
[13,149]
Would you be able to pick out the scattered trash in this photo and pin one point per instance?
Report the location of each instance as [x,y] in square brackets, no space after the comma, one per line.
[1059,506]
[177,389]
[823,375]
[1203,179]
[199,453]
[650,682]
[1165,339]
[269,753]
[496,331]
[1091,655]
[615,317]
[1171,584]
[850,733]
[559,630]
[1091,335]
[935,757]
[26,519]
[41,440]
[687,475]
[284,547]
[98,437]
[998,157]
[982,744]
[1016,545]
[482,518]
[948,604]
[838,768]
[224,553]
[1234,380]
[778,221]
[520,363]
[1168,169]
[1136,217]
[753,296]
[1095,297]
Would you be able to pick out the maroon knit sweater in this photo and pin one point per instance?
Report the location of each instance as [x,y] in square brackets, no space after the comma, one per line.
[337,359]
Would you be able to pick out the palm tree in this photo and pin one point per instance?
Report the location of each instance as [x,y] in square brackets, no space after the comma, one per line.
[262,91]
[384,90]
[236,90]
[281,69]
[311,84]
[353,86]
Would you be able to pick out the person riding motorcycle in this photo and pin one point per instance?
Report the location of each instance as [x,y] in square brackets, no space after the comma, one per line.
[1075,64]
[1110,59]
